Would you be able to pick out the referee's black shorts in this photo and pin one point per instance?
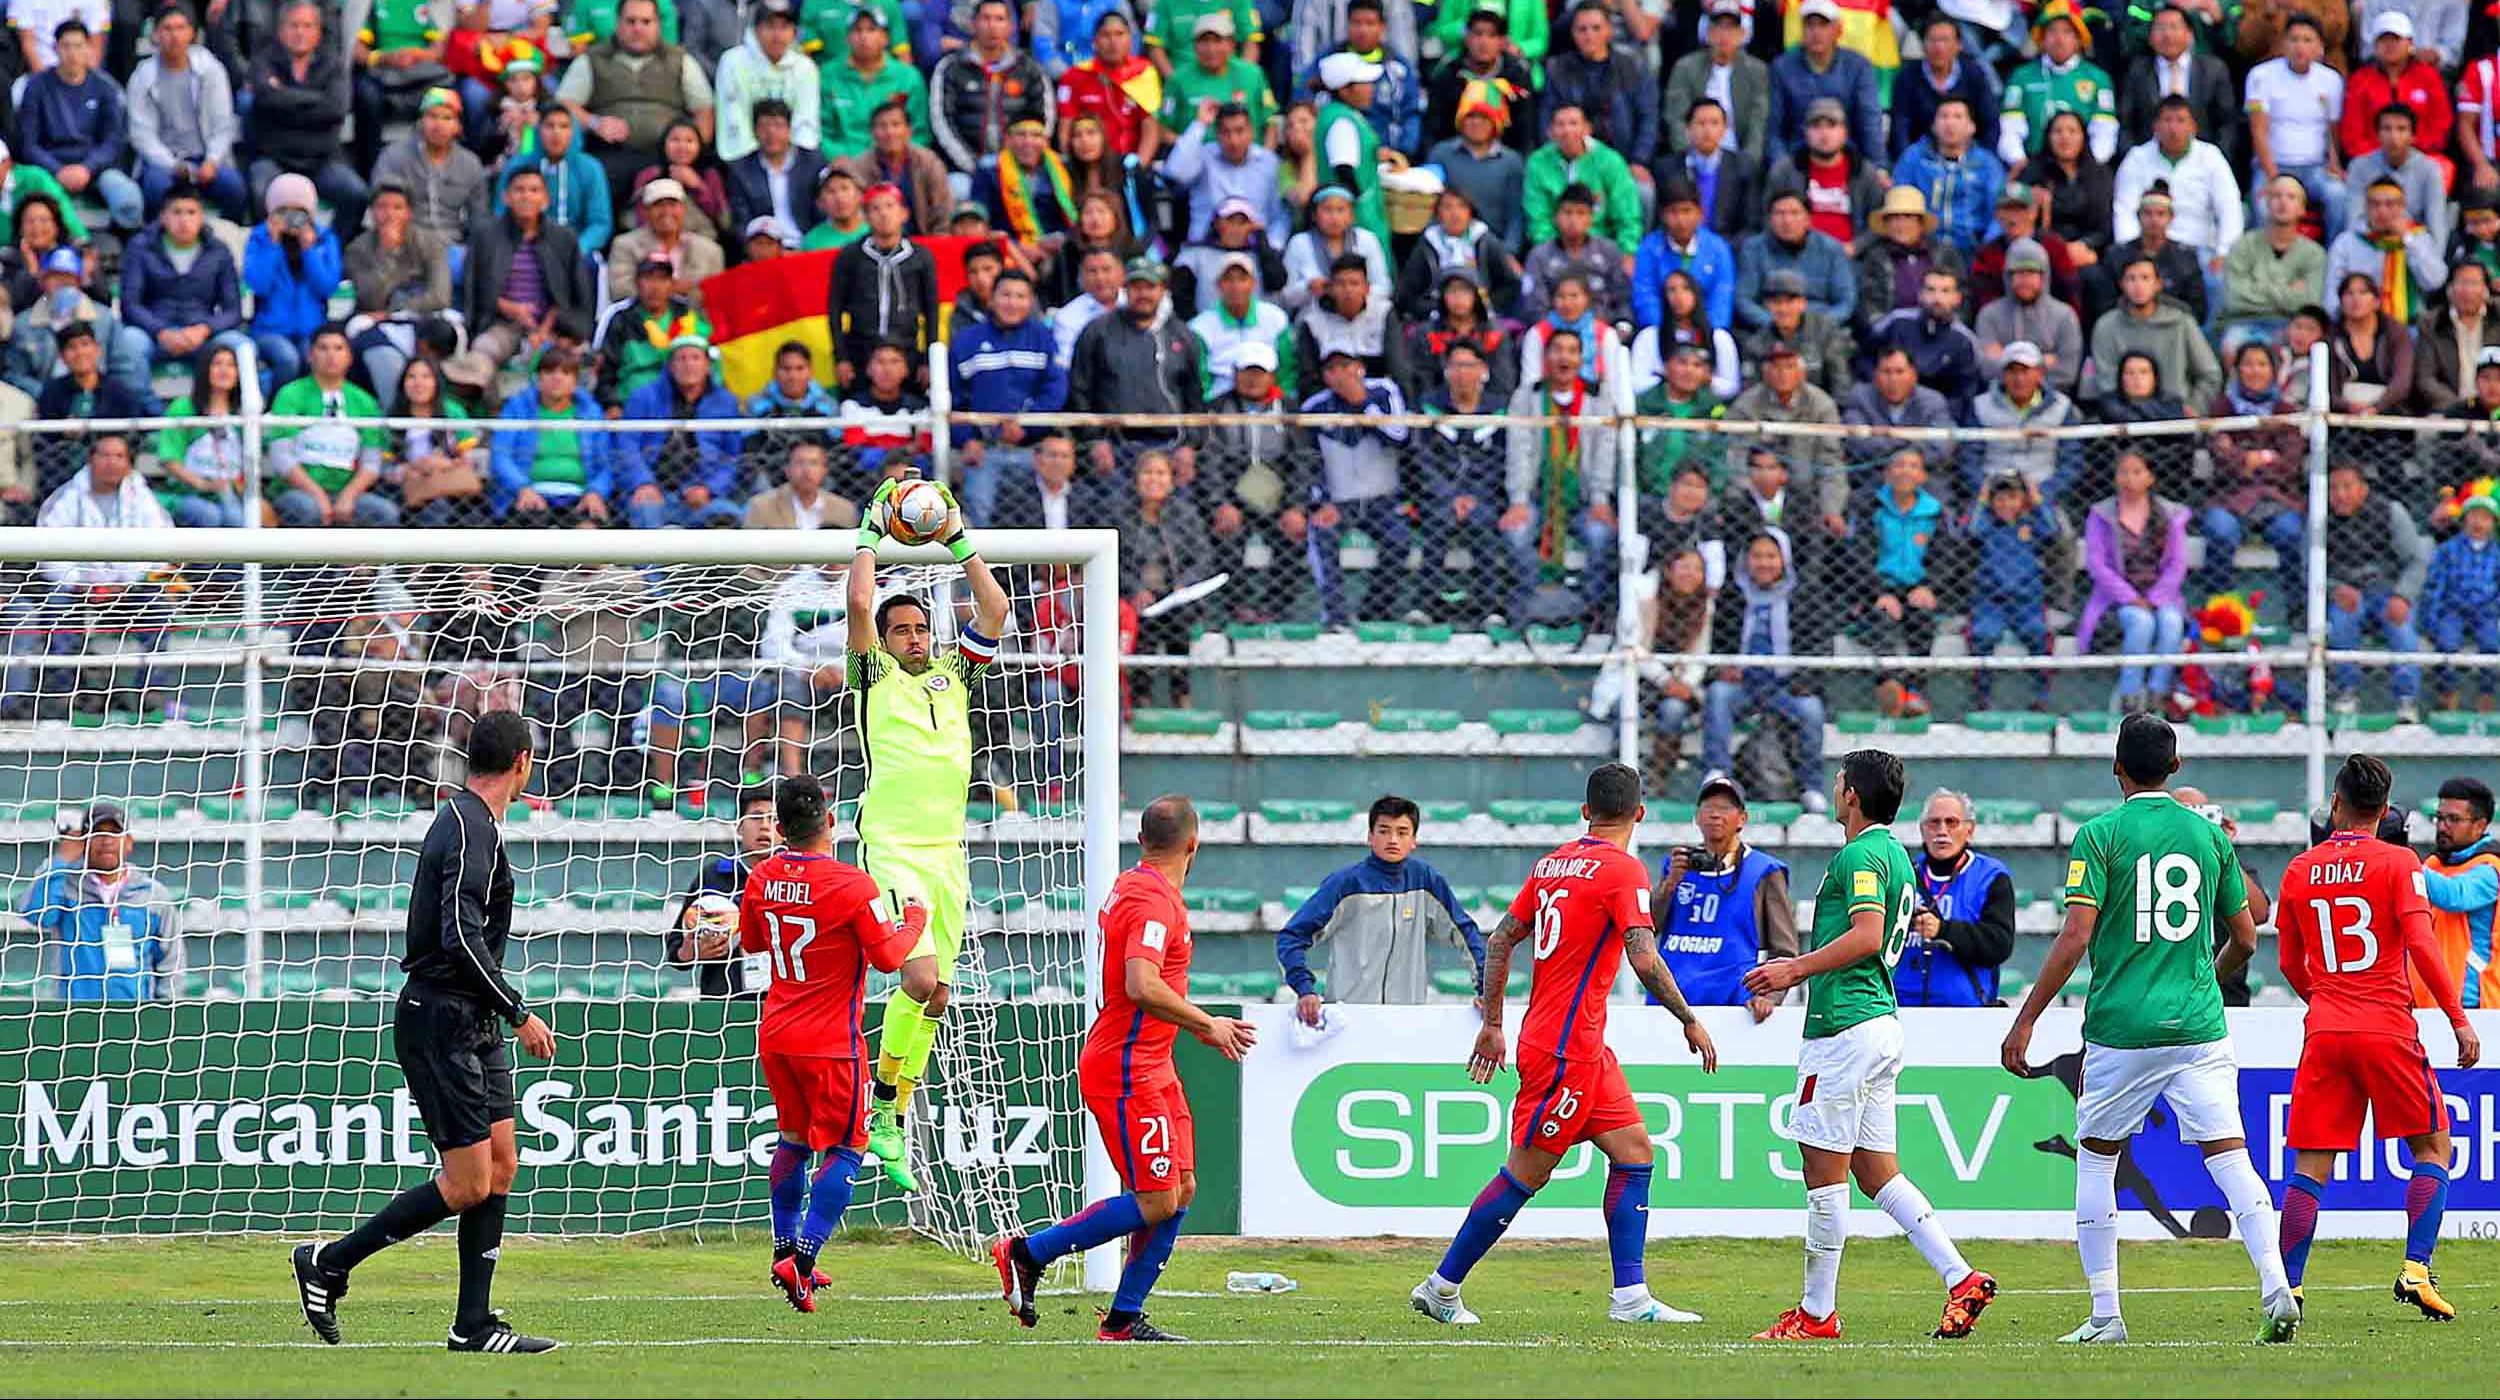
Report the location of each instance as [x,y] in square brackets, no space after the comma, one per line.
[451,1050]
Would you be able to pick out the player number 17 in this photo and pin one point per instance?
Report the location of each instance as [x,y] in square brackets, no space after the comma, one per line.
[2324,912]
[786,963]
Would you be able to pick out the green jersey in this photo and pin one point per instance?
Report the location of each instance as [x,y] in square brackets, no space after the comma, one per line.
[851,101]
[1871,872]
[2038,91]
[917,732]
[825,235]
[1239,81]
[2159,876]
[330,454]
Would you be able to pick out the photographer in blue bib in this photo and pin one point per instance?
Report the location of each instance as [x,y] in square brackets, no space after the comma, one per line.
[112,931]
[1727,906]
[1963,930]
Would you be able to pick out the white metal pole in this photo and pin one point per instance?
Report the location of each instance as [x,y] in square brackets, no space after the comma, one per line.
[941,407]
[255,774]
[1629,645]
[1099,693]
[2316,601]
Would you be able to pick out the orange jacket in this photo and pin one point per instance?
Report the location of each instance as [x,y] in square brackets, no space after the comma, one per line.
[2462,931]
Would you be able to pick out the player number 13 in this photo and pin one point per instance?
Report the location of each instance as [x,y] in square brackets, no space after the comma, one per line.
[786,963]
[2324,911]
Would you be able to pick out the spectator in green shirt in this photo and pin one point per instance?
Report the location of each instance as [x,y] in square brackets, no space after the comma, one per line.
[868,77]
[546,478]
[844,223]
[325,474]
[19,183]
[1217,73]
[1179,23]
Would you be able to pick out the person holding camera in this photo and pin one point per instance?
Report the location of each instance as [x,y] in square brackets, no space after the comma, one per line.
[290,266]
[1727,905]
[1963,928]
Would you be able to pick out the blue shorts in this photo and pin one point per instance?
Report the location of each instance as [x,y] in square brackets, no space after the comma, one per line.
[738,694]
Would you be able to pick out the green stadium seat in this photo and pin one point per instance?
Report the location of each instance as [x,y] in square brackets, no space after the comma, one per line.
[1000,901]
[1775,813]
[194,985]
[1542,637]
[1466,896]
[1510,723]
[2251,811]
[540,984]
[2271,722]
[1013,984]
[646,983]
[593,807]
[277,807]
[381,804]
[1259,986]
[1295,896]
[1273,631]
[160,807]
[619,901]
[374,899]
[1064,899]
[2460,724]
[2094,721]
[1208,985]
[2010,722]
[1876,722]
[1221,899]
[369,979]
[293,982]
[605,983]
[2084,809]
[1446,811]
[1380,633]
[1673,813]
[1198,722]
[1518,811]
[978,812]
[1276,720]
[1416,721]
[230,895]
[2005,810]
[1299,810]
[1216,811]
[2365,722]
[1454,982]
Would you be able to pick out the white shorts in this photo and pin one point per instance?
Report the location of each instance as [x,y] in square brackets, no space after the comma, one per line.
[2201,1083]
[1844,1088]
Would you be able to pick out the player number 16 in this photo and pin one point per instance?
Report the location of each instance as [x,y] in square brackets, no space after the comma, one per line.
[1549,916]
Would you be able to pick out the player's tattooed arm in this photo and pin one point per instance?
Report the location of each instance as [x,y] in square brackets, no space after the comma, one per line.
[1641,949]
[1491,1049]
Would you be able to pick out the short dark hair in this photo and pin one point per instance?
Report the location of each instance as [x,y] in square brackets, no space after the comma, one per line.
[2148,749]
[794,347]
[770,106]
[1894,349]
[2300,20]
[885,610]
[1782,197]
[2364,784]
[72,25]
[752,793]
[528,172]
[1349,262]
[1468,346]
[74,331]
[2397,109]
[1701,102]
[1494,17]
[1614,792]
[1955,99]
[799,806]
[557,357]
[982,248]
[1879,781]
[1372,5]
[1576,193]
[496,742]
[2473,792]
[96,440]
[1166,825]
[1392,807]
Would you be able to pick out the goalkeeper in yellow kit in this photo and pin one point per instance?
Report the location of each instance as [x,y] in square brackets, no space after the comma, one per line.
[913,707]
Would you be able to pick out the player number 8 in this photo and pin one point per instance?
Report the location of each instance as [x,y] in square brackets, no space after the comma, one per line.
[2173,910]
[2324,912]
[1549,921]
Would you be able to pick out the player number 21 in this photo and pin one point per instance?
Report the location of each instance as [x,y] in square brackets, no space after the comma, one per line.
[2324,911]
[786,963]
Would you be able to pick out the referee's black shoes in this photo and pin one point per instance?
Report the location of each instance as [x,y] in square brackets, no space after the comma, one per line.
[498,1336]
[317,1291]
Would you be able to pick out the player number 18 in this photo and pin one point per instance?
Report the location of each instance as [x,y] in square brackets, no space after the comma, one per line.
[2165,898]
[2324,912]
[786,963]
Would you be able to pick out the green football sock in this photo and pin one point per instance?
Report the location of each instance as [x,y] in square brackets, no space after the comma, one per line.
[896,1037]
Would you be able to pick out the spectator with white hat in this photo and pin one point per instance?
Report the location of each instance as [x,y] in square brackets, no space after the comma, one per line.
[1347,141]
[113,934]
[663,234]
[1236,317]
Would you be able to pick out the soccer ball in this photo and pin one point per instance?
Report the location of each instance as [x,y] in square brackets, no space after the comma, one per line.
[915,513]
[713,919]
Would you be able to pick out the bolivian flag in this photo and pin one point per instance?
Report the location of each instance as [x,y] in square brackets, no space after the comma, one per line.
[758,307]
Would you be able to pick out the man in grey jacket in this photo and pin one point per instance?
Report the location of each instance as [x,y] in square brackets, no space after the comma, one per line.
[182,121]
[1380,917]
[446,183]
[2028,313]
[2375,563]
[1814,463]
[2146,321]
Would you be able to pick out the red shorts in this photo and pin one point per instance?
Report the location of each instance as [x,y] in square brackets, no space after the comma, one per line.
[1149,1134]
[1565,1102]
[818,1100]
[2343,1073]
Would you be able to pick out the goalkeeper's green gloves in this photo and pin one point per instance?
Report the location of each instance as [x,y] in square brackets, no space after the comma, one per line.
[957,542]
[872,519]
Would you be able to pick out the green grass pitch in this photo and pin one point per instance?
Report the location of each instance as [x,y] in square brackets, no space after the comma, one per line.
[669,1317]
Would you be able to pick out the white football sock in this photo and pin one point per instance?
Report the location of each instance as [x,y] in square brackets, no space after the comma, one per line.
[2252,1210]
[2096,1228]
[1827,1230]
[1629,1294]
[1907,1205]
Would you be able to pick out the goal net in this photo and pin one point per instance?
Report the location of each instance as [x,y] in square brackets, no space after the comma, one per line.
[195,1013]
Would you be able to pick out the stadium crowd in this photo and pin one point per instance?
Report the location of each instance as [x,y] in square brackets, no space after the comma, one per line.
[1829,211]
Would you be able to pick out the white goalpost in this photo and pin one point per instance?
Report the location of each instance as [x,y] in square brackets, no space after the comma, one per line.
[276,712]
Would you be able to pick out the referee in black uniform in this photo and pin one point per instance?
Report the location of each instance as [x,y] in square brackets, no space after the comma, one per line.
[449,1033]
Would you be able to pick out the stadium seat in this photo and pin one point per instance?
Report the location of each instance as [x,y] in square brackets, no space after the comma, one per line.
[1199,722]
[1403,633]
[2460,724]
[1444,811]
[1298,810]
[1673,813]
[1512,723]
[275,806]
[1273,632]
[1260,985]
[1775,813]
[2093,721]
[2084,809]
[1876,722]
[2010,722]
[1220,899]
[1542,638]
[592,807]
[1416,721]
[619,901]
[1295,896]
[2001,811]
[2271,722]
[2363,722]
[1515,811]
[1274,720]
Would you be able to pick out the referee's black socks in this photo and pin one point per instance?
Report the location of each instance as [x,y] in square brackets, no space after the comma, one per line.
[481,1241]
[410,1213]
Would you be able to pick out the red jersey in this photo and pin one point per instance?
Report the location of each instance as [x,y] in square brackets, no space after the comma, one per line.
[2348,907]
[820,921]
[1578,904]
[1124,98]
[1827,200]
[1127,1048]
